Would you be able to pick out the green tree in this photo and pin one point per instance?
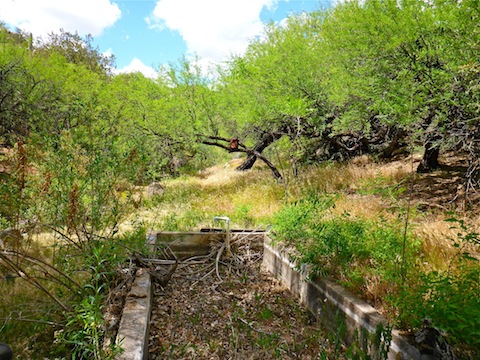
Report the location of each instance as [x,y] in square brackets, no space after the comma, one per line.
[17,87]
[162,115]
[42,93]
[77,50]
[397,62]
[276,89]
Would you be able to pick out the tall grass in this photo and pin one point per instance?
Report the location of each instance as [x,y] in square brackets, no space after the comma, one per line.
[248,198]
[346,221]
[257,196]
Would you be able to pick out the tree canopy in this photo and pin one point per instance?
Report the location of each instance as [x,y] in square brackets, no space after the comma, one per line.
[369,76]
[377,77]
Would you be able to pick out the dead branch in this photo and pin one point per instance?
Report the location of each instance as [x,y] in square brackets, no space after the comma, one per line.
[44,266]
[64,236]
[242,148]
[217,260]
[24,275]
[33,321]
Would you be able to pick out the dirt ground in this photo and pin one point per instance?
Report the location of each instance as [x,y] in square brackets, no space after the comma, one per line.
[445,189]
[231,309]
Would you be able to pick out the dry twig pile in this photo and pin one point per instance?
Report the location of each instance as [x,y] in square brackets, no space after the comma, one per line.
[225,307]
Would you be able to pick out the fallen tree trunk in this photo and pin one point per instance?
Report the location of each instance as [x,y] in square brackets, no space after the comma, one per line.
[253,154]
[266,140]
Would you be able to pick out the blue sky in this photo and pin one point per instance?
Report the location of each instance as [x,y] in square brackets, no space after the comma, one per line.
[145,34]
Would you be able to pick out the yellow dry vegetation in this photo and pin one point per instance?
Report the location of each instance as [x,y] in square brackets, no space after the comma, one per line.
[364,188]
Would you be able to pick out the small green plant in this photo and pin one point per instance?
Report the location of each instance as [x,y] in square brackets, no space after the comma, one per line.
[382,340]
[3,223]
[450,298]
[266,314]
[242,215]
[267,341]
[195,318]
[465,236]
[83,332]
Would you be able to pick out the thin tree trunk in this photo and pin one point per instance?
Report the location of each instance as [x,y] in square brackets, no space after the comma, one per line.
[270,165]
[248,163]
[430,157]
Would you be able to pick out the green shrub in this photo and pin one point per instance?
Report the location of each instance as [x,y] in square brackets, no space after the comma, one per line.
[450,298]
[84,331]
[354,250]
[293,222]
[330,243]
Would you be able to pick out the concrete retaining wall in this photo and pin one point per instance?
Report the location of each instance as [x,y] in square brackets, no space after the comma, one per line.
[343,313]
[337,309]
[134,325]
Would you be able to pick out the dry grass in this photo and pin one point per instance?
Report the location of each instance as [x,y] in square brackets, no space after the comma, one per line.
[216,191]
[437,242]
[439,238]
[363,206]
[349,177]
[365,189]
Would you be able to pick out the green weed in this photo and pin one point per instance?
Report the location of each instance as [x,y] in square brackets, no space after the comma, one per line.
[266,314]
[242,215]
[370,257]
[450,298]
[385,186]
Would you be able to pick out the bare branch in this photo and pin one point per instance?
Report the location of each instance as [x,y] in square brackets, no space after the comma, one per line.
[24,275]
[43,265]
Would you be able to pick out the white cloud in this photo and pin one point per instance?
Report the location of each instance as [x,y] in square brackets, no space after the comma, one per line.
[136,65]
[42,17]
[212,29]
[108,52]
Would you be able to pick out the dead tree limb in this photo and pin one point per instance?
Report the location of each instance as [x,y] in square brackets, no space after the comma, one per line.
[45,268]
[21,272]
[252,153]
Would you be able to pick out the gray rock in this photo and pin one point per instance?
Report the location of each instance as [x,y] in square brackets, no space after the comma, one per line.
[6,352]
[155,189]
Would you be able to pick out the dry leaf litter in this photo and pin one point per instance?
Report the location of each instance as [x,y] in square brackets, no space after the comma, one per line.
[226,307]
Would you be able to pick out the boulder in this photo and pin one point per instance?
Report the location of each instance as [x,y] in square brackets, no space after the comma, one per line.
[155,189]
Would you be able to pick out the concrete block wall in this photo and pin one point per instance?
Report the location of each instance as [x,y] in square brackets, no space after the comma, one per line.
[134,325]
[340,311]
